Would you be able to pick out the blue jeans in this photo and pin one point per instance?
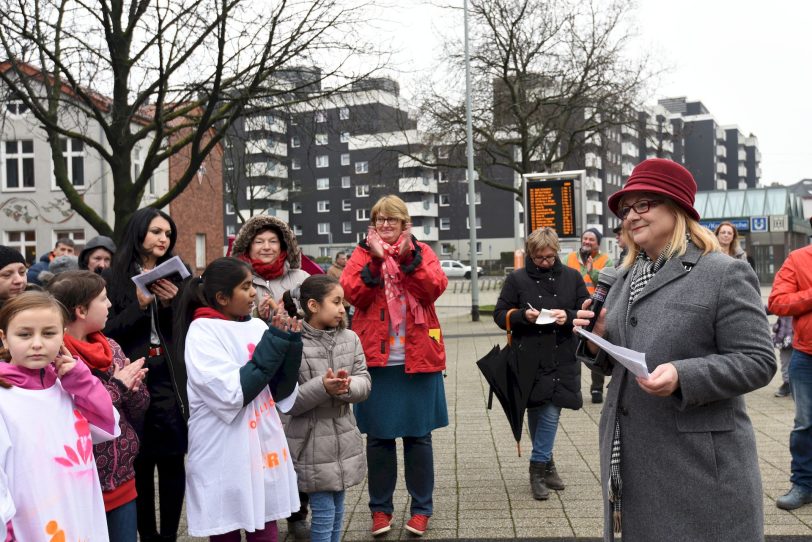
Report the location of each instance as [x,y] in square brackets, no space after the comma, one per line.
[382,466]
[122,523]
[543,423]
[800,440]
[326,515]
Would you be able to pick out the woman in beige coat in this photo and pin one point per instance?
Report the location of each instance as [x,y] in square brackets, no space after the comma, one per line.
[326,446]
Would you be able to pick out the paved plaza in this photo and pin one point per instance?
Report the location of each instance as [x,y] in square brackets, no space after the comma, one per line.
[482,489]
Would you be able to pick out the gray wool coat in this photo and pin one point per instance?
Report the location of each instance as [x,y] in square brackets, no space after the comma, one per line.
[688,462]
[326,446]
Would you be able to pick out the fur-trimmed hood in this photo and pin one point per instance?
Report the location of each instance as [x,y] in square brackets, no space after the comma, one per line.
[254,224]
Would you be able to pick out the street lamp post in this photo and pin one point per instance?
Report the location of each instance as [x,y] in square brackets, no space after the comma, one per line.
[471,188]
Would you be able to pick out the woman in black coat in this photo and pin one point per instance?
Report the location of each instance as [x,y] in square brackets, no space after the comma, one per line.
[142,325]
[547,344]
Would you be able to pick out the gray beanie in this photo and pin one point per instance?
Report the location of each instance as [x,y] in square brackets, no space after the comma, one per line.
[61,264]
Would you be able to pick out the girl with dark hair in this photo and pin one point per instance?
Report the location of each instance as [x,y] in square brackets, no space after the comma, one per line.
[84,295]
[142,325]
[240,472]
[51,411]
[327,448]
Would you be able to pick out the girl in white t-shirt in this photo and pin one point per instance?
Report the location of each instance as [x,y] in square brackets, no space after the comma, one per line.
[239,472]
[325,443]
[52,411]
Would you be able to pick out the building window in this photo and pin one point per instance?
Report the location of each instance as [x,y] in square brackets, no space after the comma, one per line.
[324,228]
[362,214]
[25,242]
[346,205]
[323,206]
[362,191]
[295,163]
[345,137]
[477,198]
[478,223]
[229,209]
[295,186]
[446,249]
[346,227]
[442,177]
[19,159]
[445,223]
[16,107]
[323,183]
[321,139]
[445,200]
[320,116]
[362,167]
[295,141]
[323,161]
[231,229]
[297,230]
[345,181]
[200,250]
[345,159]
[77,236]
[361,236]
[296,207]
[344,113]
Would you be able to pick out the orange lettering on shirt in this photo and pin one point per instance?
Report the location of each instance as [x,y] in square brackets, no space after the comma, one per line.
[271,460]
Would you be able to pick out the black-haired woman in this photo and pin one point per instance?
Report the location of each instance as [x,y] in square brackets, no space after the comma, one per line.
[142,325]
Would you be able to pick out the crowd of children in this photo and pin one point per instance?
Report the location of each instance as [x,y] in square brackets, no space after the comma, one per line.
[269,407]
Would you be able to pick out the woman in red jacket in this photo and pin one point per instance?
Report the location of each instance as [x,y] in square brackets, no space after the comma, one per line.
[393,280]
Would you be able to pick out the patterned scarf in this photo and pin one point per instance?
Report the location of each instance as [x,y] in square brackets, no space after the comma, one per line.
[268,271]
[393,283]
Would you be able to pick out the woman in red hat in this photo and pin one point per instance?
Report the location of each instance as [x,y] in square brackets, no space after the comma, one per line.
[678,454]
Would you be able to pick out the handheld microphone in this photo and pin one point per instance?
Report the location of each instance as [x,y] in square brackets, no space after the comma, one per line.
[606,278]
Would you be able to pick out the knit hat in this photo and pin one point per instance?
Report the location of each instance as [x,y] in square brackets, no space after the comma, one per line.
[9,255]
[598,235]
[60,264]
[660,176]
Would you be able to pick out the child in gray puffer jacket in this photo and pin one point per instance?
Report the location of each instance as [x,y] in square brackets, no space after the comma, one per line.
[326,446]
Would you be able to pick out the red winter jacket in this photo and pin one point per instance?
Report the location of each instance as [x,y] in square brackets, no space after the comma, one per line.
[792,296]
[363,288]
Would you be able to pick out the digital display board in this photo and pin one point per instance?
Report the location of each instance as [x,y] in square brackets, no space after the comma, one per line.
[551,203]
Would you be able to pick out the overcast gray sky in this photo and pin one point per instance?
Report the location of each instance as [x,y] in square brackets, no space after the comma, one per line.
[748,61]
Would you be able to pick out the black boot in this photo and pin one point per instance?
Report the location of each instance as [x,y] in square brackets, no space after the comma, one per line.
[551,478]
[537,486]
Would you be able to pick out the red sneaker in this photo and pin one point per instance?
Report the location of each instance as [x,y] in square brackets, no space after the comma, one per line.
[381,523]
[418,524]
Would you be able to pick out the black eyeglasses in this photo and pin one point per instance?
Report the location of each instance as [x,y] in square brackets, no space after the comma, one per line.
[640,207]
[381,220]
[550,259]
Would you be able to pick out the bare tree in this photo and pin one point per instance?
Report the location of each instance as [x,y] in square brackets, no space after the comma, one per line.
[166,75]
[549,77]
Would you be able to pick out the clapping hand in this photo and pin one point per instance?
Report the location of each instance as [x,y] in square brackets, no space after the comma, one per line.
[132,374]
[283,322]
[374,242]
[266,307]
[405,244]
[336,384]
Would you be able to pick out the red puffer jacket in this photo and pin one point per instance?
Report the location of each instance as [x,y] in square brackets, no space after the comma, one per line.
[363,288]
[792,296]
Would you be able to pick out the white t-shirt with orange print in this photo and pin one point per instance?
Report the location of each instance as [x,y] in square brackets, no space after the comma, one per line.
[239,473]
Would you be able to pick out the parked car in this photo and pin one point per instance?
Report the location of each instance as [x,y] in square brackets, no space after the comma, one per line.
[454,268]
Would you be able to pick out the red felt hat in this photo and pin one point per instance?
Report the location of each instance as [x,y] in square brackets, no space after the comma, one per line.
[660,176]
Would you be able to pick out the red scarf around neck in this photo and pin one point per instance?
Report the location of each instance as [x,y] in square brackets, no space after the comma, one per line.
[268,271]
[395,292]
[95,350]
[214,314]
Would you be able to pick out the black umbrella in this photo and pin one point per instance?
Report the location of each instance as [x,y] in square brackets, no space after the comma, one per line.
[500,369]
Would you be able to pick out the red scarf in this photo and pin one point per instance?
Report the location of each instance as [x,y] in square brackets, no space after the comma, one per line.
[208,312]
[393,283]
[268,271]
[95,351]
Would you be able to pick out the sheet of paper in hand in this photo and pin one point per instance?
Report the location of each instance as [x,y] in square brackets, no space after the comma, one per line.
[170,267]
[545,317]
[631,359]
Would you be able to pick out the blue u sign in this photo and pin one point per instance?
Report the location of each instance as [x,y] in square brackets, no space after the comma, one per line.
[759,224]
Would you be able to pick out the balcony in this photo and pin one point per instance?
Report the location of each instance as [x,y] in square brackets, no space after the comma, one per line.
[595,184]
[266,146]
[266,169]
[626,169]
[721,151]
[629,149]
[423,185]
[272,211]
[668,145]
[266,192]
[266,123]
[742,155]
[720,134]
[594,208]
[427,233]
[592,160]
[409,162]
[721,168]
[742,171]
[628,131]
[422,208]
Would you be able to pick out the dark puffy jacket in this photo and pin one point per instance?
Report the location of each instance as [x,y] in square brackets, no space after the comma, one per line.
[41,265]
[364,288]
[550,348]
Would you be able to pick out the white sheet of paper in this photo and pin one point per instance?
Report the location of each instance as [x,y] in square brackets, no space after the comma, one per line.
[545,317]
[172,265]
[631,359]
